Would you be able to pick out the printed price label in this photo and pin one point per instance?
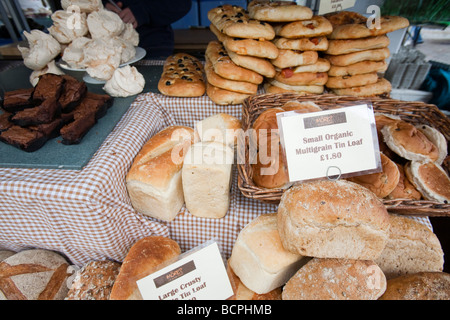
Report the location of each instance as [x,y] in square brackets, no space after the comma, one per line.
[200,274]
[341,142]
[327,6]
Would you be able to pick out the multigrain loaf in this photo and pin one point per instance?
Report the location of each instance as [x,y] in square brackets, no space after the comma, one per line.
[412,247]
[333,219]
[336,279]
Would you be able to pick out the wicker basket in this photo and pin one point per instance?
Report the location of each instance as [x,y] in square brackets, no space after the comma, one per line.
[413,112]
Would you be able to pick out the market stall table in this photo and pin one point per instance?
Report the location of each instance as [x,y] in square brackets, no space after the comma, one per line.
[82,209]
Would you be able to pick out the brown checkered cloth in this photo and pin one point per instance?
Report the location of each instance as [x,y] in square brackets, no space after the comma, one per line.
[87,214]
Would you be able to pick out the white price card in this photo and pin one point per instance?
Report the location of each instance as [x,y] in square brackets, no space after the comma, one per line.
[327,6]
[341,142]
[199,274]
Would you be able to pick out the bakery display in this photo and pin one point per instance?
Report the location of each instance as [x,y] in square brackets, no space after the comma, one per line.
[59,105]
[357,53]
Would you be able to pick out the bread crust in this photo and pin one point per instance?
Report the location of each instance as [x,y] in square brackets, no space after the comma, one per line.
[260,65]
[302,44]
[303,78]
[357,68]
[315,27]
[381,87]
[352,58]
[352,81]
[225,97]
[274,86]
[291,58]
[278,11]
[337,47]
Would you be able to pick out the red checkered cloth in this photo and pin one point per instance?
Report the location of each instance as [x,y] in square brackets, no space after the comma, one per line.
[87,214]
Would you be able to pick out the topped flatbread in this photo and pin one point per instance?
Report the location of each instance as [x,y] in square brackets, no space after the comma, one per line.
[278,11]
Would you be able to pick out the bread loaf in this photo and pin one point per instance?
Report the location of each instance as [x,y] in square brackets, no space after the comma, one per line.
[333,219]
[94,281]
[412,247]
[259,259]
[206,179]
[154,179]
[419,286]
[6,254]
[336,279]
[145,257]
[220,127]
[241,292]
[34,274]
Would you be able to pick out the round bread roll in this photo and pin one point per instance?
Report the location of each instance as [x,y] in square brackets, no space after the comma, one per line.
[437,138]
[322,219]
[34,274]
[404,189]
[412,247]
[301,107]
[381,183]
[408,142]
[430,180]
[94,281]
[380,120]
[419,286]
[352,81]
[336,279]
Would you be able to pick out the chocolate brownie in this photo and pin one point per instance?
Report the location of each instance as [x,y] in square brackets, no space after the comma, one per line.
[17,100]
[23,138]
[49,86]
[5,121]
[46,112]
[72,94]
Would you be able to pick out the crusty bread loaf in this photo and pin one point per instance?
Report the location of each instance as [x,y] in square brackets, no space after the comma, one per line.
[154,179]
[241,292]
[336,279]
[145,257]
[34,274]
[412,247]
[206,179]
[430,179]
[419,286]
[94,281]
[322,219]
[220,127]
[259,259]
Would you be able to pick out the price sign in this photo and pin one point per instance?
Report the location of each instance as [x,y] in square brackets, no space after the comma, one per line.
[341,142]
[199,274]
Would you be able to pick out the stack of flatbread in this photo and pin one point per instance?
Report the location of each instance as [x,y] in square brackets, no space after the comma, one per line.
[237,63]
[300,36]
[357,52]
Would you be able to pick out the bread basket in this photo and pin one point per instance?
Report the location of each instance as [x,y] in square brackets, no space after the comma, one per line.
[413,112]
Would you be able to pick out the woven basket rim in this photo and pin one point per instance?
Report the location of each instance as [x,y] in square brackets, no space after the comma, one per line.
[416,112]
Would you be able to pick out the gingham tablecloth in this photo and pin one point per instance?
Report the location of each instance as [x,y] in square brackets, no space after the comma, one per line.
[87,214]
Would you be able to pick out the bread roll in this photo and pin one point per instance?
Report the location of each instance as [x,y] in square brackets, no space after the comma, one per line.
[34,274]
[437,138]
[94,281]
[220,127]
[241,292]
[381,183]
[419,286]
[145,257]
[408,142]
[412,247]
[404,189]
[154,180]
[259,259]
[430,180]
[6,254]
[322,219]
[206,179]
[336,279]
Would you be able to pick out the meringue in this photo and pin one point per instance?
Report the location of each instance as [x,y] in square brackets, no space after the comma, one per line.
[128,50]
[102,56]
[104,23]
[84,5]
[42,48]
[73,55]
[126,81]
[130,34]
[50,68]
[68,25]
